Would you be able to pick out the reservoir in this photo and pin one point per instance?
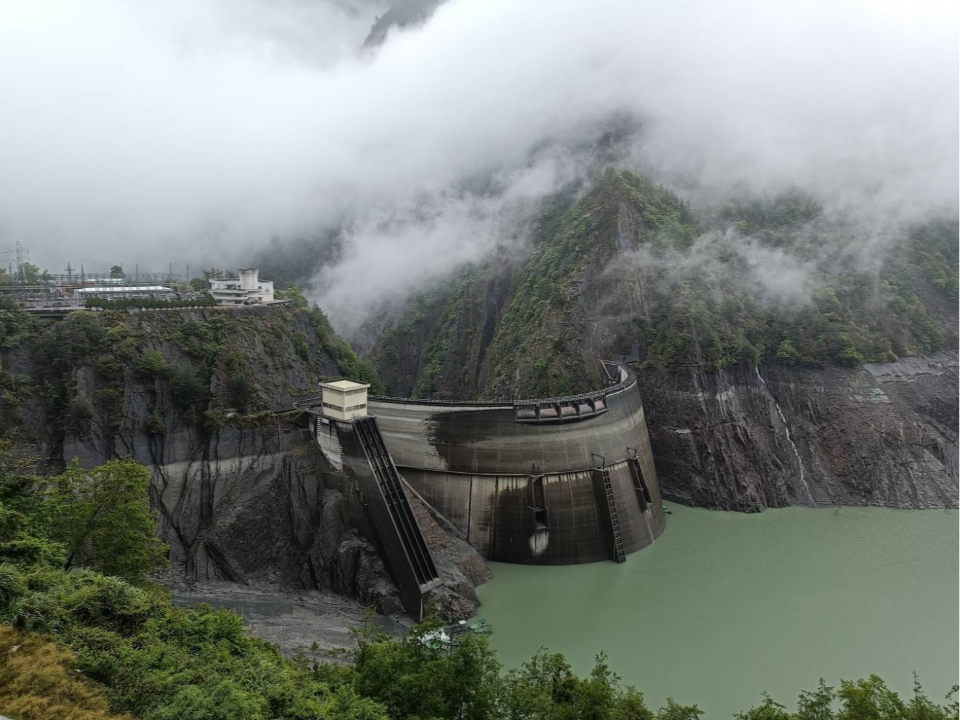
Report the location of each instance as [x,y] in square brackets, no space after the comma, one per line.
[726,605]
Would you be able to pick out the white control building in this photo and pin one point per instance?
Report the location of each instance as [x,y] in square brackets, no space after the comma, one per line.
[245,289]
[344,399]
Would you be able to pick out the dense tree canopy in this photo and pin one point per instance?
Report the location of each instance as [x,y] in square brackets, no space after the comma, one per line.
[119,648]
[103,519]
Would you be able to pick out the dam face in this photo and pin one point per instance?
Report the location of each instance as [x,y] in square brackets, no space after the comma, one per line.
[549,481]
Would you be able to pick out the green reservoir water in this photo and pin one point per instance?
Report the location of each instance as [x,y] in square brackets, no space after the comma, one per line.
[726,605]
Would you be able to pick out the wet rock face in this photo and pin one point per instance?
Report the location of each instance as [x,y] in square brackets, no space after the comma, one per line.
[883,434]
[253,505]
[260,506]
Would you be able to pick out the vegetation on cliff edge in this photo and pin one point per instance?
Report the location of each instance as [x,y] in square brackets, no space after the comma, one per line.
[192,368]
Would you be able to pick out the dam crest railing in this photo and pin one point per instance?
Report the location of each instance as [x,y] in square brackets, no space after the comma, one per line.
[564,408]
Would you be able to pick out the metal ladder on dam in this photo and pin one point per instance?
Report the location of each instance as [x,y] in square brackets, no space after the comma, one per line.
[603,474]
[398,505]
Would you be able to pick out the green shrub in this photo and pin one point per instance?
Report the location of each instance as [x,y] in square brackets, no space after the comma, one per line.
[301,345]
[206,300]
[78,417]
[187,387]
[151,364]
[787,353]
[215,419]
[296,297]
[154,424]
[240,391]
[103,519]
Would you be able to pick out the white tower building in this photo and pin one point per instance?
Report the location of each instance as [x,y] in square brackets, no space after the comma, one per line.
[245,289]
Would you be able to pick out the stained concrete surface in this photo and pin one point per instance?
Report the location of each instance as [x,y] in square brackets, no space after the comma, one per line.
[475,465]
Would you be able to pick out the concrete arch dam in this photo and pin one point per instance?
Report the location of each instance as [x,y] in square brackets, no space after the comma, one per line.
[547,481]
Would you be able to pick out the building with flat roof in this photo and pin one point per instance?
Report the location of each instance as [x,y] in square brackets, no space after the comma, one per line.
[344,399]
[245,289]
[124,291]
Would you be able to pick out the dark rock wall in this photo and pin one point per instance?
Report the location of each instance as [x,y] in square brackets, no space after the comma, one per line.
[249,499]
[882,434]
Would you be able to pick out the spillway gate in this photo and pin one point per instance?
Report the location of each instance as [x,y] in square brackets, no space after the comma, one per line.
[387,508]
[639,484]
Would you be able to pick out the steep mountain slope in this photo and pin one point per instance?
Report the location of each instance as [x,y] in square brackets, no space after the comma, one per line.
[710,308]
[533,325]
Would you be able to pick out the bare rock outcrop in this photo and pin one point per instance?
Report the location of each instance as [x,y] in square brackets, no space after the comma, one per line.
[746,439]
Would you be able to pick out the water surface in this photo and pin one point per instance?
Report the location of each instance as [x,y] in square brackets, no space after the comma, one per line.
[726,605]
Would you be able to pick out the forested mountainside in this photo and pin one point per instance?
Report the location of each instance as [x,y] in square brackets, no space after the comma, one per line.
[710,308]
[628,267]
[203,398]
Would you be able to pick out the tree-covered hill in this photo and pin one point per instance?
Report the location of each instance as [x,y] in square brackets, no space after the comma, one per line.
[625,264]
[109,376]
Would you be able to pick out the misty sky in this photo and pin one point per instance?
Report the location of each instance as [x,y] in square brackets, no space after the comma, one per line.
[192,131]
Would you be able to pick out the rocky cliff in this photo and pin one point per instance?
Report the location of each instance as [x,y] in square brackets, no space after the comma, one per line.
[750,438]
[204,398]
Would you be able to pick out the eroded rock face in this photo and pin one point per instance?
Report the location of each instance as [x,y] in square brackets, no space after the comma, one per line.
[245,499]
[883,434]
[255,505]
[259,505]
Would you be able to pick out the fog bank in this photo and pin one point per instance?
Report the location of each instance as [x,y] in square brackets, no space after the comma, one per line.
[196,131]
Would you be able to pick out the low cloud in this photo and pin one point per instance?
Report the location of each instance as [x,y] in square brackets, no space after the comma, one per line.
[197,131]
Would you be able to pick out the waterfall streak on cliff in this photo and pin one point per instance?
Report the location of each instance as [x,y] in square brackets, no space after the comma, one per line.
[803,480]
